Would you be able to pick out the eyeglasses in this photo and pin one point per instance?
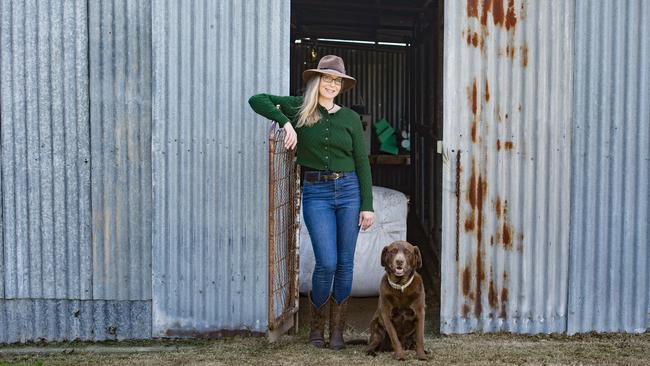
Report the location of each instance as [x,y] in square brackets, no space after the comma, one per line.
[330,80]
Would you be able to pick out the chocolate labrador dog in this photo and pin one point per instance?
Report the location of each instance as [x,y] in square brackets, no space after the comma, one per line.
[398,323]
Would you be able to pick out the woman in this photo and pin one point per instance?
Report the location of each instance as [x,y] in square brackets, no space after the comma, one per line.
[337,186]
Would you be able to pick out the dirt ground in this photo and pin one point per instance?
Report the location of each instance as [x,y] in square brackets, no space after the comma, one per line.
[493,349]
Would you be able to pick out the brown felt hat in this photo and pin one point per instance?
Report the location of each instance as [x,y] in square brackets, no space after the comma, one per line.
[331,65]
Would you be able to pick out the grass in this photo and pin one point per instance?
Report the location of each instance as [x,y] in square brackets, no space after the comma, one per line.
[497,349]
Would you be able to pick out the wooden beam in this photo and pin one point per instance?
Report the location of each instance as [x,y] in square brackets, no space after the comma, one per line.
[356,6]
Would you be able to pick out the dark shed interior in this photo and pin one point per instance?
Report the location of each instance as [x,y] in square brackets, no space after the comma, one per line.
[397,58]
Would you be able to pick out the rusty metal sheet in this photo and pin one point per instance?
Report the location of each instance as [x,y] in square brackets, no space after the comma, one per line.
[506,165]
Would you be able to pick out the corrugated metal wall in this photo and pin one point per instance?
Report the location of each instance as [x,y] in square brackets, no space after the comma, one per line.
[45,150]
[60,320]
[70,80]
[609,279]
[506,171]
[120,132]
[210,161]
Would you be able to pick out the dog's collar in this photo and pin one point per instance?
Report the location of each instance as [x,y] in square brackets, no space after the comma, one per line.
[398,286]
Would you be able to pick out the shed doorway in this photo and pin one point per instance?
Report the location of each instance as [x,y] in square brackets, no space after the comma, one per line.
[395,51]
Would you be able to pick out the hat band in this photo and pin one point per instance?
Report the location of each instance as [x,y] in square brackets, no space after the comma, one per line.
[327,68]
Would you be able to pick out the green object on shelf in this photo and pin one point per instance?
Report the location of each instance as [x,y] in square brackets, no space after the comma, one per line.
[385,135]
[390,145]
[381,126]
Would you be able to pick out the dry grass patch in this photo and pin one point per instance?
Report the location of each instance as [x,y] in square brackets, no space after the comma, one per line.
[471,349]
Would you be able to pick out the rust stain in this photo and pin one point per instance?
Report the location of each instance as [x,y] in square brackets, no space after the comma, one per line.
[497,13]
[493,297]
[500,17]
[504,301]
[508,145]
[498,145]
[510,51]
[472,95]
[487,4]
[458,170]
[474,125]
[524,56]
[464,310]
[472,188]
[487,91]
[469,224]
[505,231]
[519,108]
[481,190]
[480,187]
[498,207]
[504,296]
[511,18]
[480,276]
[507,236]
[472,8]
[467,274]
[476,195]
[492,240]
[473,39]
[474,102]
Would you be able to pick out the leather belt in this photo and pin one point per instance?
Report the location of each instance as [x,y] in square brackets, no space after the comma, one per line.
[322,175]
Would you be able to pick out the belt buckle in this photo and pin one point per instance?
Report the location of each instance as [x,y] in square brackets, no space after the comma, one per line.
[336,175]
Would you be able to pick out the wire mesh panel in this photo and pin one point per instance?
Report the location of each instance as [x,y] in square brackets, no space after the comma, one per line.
[284,211]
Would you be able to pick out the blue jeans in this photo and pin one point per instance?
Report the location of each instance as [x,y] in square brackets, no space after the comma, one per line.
[331,211]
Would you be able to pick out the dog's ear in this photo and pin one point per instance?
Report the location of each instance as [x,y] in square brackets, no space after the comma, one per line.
[418,257]
[383,256]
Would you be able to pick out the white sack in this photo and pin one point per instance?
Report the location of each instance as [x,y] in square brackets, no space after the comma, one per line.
[390,225]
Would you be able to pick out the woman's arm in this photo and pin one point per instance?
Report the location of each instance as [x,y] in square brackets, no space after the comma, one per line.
[266,105]
[362,165]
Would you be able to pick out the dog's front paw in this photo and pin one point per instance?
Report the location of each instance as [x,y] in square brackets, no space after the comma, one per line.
[371,352]
[399,356]
[422,356]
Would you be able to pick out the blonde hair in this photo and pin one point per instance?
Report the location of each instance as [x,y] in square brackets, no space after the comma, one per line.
[309,114]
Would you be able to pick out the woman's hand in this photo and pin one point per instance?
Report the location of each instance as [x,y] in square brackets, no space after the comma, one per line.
[366,219]
[290,136]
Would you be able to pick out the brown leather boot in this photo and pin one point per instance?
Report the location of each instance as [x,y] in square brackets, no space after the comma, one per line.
[338,316]
[317,323]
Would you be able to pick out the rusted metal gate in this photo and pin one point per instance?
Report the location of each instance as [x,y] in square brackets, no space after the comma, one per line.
[284,216]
